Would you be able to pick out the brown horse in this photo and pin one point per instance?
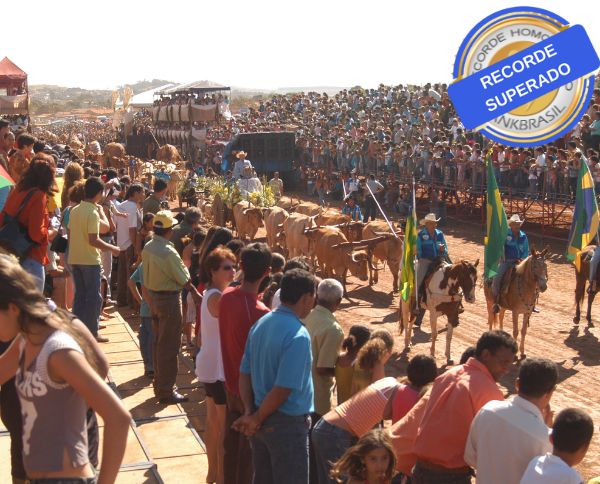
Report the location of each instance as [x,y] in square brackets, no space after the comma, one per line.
[444,290]
[582,276]
[529,278]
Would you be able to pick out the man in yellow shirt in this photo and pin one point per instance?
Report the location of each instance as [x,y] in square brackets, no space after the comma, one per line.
[84,255]
[164,276]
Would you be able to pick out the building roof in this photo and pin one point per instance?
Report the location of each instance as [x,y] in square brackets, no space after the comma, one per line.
[10,71]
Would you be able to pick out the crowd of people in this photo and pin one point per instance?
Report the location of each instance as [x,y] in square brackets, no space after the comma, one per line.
[290,397]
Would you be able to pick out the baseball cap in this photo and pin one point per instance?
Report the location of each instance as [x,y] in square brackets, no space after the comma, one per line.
[164,220]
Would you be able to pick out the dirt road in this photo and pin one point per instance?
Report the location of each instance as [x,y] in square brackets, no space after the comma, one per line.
[551,334]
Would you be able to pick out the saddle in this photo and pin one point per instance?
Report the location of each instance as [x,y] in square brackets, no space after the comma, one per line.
[506,279]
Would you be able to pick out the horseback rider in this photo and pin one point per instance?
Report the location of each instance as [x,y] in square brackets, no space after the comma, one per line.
[516,248]
[431,244]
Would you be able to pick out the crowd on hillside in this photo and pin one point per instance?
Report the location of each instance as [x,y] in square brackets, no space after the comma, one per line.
[290,396]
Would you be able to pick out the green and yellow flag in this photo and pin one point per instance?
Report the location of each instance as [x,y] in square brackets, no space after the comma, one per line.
[497,226]
[407,276]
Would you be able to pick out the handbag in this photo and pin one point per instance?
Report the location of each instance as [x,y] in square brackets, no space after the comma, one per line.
[60,242]
[14,237]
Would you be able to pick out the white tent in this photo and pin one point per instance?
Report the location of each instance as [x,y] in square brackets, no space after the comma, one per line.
[143,99]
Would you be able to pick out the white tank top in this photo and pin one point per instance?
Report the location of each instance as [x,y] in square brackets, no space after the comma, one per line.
[209,362]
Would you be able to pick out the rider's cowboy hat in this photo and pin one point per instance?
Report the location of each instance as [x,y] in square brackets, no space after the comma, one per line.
[430,217]
[241,154]
[515,219]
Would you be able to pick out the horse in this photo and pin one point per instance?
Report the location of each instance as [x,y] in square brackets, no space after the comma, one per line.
[444,288]
[581,277]
[529,278]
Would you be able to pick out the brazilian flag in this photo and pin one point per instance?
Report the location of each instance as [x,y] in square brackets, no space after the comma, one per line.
[584,226]
[497,226]
[407,276]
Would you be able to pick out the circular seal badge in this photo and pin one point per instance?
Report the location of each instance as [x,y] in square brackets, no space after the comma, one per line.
[523,76]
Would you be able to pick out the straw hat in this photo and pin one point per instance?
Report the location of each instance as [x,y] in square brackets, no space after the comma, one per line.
[430,217]
[515,219]
[241,154]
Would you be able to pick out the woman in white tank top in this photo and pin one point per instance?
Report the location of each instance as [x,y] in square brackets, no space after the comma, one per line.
[219,266]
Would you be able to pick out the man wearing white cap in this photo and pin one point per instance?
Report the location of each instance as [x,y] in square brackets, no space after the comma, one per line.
[516,248]
[431,244]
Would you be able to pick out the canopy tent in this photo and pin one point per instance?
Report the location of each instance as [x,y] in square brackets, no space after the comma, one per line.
[196,86]
[13,88]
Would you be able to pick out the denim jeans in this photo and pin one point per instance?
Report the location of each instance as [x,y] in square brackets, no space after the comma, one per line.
[146,336]
[87,302]
[65,480]
[36,269]
[329,443]
[280,450]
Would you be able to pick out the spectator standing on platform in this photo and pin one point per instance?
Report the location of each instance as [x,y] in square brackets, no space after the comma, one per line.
[127,230]
[326,337]
[164,276]
[220,267]
[239,309]
[57,368]
[460,392]
[276,385]
[85,245]
[505,435]
[29,200]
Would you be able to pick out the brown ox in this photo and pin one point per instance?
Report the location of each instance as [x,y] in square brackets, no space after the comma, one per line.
[331,217]
[274,218]
[172,185]
[287,203]
[444,289]
[308,208]
[295,239]
[336,256]
[247,219]
[168,154]
[389,251]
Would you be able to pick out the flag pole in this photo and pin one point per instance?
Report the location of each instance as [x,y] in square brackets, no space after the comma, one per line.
[415,261]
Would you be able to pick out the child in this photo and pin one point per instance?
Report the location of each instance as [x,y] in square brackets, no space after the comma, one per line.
[571,436]
[277,263]
[370,461]
[421,371]
[344,367]
[371,359]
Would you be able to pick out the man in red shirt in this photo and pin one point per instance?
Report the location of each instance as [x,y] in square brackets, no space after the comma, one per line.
[239,309]
[456,397]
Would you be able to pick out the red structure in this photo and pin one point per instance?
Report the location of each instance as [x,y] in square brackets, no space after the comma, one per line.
[14,93]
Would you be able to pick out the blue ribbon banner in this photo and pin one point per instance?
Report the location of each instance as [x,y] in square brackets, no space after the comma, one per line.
[524,76]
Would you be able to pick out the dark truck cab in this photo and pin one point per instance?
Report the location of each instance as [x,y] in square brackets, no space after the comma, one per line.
[268,151]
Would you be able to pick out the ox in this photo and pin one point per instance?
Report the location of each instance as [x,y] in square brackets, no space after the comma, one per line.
[274,218]
[247,219]
[295,239]
[389,251]
[309,208]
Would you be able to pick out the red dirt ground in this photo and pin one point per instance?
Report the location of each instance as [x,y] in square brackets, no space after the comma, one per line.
[575,349]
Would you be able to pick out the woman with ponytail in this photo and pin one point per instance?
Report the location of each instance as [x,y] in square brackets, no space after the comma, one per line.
[58,367]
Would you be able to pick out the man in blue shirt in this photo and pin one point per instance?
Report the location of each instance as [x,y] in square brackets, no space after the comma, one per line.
[431,244]
[516,248]
[276,385]
[352,209]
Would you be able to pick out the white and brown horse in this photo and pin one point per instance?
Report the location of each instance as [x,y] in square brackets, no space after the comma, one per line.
[444,288]
[528,279]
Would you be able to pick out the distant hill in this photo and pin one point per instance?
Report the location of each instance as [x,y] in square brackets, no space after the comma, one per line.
[47,99]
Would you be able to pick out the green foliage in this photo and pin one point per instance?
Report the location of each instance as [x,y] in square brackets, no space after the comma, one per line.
[232,195]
